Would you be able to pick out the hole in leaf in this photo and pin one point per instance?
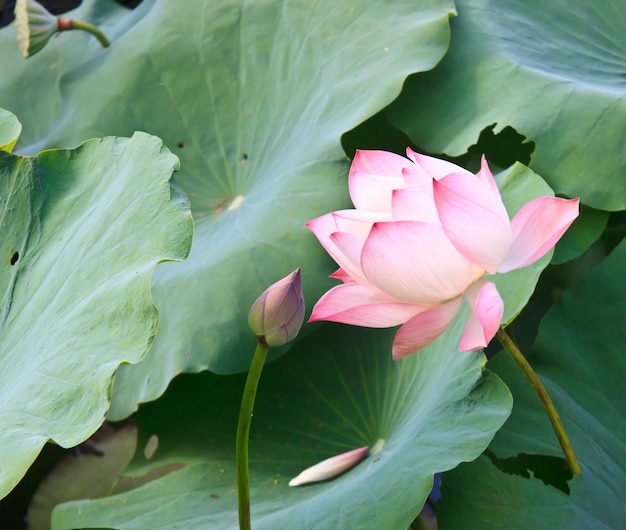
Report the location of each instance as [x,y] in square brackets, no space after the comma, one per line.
[377,132]
[180,145]
[551,470]
[615,230]
[504,148]
[15,257]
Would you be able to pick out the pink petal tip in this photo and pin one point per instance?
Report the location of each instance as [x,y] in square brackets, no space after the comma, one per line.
[330,468]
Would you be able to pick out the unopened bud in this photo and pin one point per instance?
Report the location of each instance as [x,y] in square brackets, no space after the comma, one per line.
[331,467]
[277,315]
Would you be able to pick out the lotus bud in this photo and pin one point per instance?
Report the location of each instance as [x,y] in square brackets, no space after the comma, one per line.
[35,26]
[331,467]
[277,315]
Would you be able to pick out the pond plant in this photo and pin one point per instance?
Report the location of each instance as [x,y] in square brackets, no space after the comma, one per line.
[291,264]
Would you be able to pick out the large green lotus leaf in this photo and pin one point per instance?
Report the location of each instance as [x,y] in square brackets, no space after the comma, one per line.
[553,70]
[579,356]
[10,129]
[337,390]
[254,97]
[82,231]
[478,496]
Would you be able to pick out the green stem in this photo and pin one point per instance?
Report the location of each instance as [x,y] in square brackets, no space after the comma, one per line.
[65,24]
[542,393]
[243,434]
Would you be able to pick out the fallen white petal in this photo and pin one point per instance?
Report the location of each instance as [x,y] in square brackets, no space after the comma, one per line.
[331,467]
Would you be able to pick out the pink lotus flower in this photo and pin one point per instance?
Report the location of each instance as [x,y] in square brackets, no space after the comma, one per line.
[423,236]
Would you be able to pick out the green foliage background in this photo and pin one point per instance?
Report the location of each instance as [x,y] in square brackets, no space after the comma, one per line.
[260,101]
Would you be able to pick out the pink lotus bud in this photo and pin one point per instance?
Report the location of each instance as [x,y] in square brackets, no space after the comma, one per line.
[277,315]
[331,467]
